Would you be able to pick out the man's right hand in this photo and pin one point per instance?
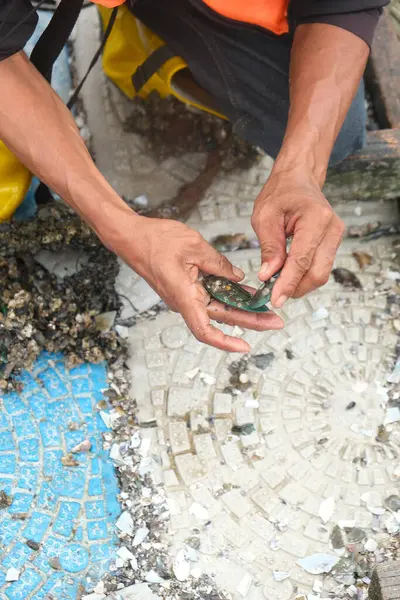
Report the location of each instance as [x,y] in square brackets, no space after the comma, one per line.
[170,256]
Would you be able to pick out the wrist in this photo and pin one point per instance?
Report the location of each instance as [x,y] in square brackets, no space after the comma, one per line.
[103,209]
[304,163]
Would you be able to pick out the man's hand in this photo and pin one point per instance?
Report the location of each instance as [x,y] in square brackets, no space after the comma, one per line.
[323,82]
[170,256]
[293,204]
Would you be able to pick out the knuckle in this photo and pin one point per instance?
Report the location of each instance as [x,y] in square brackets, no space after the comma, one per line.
[319,279]
[302,262]
[325,213]
[339,227]
[269,248]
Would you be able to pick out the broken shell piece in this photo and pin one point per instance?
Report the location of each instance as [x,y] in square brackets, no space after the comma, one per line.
[105,321]
[318,563]
[54,562]
[280,575]
[125,554]
[153,577]
[13,574]
[84,446]
[244,585]
[125,523]
[392,415]
[192,374]
[181,566]
[140,536]
[326,509]
[370,545]
[363,259]
[69,461]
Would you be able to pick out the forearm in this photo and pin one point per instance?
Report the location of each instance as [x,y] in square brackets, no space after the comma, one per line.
[39,129]
[327,64]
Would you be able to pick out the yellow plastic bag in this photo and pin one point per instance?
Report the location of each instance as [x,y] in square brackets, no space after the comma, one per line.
[15,180]
[129,45]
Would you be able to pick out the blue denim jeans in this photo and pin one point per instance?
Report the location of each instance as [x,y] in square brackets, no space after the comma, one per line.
[244,68]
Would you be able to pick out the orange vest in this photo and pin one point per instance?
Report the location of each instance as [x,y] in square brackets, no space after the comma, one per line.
[269,14]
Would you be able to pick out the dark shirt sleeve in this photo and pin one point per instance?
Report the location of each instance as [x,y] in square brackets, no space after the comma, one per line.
[357,16]
[13,13]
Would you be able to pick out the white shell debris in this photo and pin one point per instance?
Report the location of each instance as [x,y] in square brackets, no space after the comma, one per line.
[94,596]
[122,331]
[181,566]
[136,440]
[153,577]
[326,509]
[197,510]
[105,321]
[394,377]
[251,403]
[192,374]
[191,554]
[318,563]
[140,536]
[100,588]
[280,575]
[84,446]
[392,415]
[244,585]
[12,574]
[115,454]
[125,554]
[106,418]
[370,545]
[208,379]
[138,591]
[125,523]
[141,201]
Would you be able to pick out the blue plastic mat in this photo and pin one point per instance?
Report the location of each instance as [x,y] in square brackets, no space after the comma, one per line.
[68,513]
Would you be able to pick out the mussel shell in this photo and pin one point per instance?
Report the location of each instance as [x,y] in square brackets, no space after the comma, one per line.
[230,293]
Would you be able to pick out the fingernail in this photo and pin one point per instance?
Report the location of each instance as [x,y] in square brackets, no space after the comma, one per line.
[264,269]
[281,301]
[238,272]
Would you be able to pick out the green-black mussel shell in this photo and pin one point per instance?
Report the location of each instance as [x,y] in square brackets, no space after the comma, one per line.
[230,293]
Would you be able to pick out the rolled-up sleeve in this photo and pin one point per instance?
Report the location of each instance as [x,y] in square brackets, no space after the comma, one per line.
[15,14]
[357,16]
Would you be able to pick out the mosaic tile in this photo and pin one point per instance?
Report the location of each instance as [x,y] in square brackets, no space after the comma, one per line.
[69,512]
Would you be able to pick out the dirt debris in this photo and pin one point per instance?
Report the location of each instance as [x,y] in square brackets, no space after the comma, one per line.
[39,311]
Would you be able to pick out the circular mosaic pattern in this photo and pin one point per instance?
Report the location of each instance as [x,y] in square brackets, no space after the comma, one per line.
[303,429]
[59,528]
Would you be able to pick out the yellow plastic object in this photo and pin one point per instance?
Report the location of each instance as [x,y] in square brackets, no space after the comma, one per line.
[129,45]
[15,180]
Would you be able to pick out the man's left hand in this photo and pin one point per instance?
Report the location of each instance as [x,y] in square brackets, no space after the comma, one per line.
[292,204]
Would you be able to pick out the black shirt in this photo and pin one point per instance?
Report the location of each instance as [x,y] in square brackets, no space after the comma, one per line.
[358,16]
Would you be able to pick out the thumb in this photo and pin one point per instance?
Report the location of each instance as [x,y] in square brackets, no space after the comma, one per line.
[272,237]
[214,263]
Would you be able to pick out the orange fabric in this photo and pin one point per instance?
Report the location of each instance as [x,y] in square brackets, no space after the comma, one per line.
[269,14]
[109,3]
